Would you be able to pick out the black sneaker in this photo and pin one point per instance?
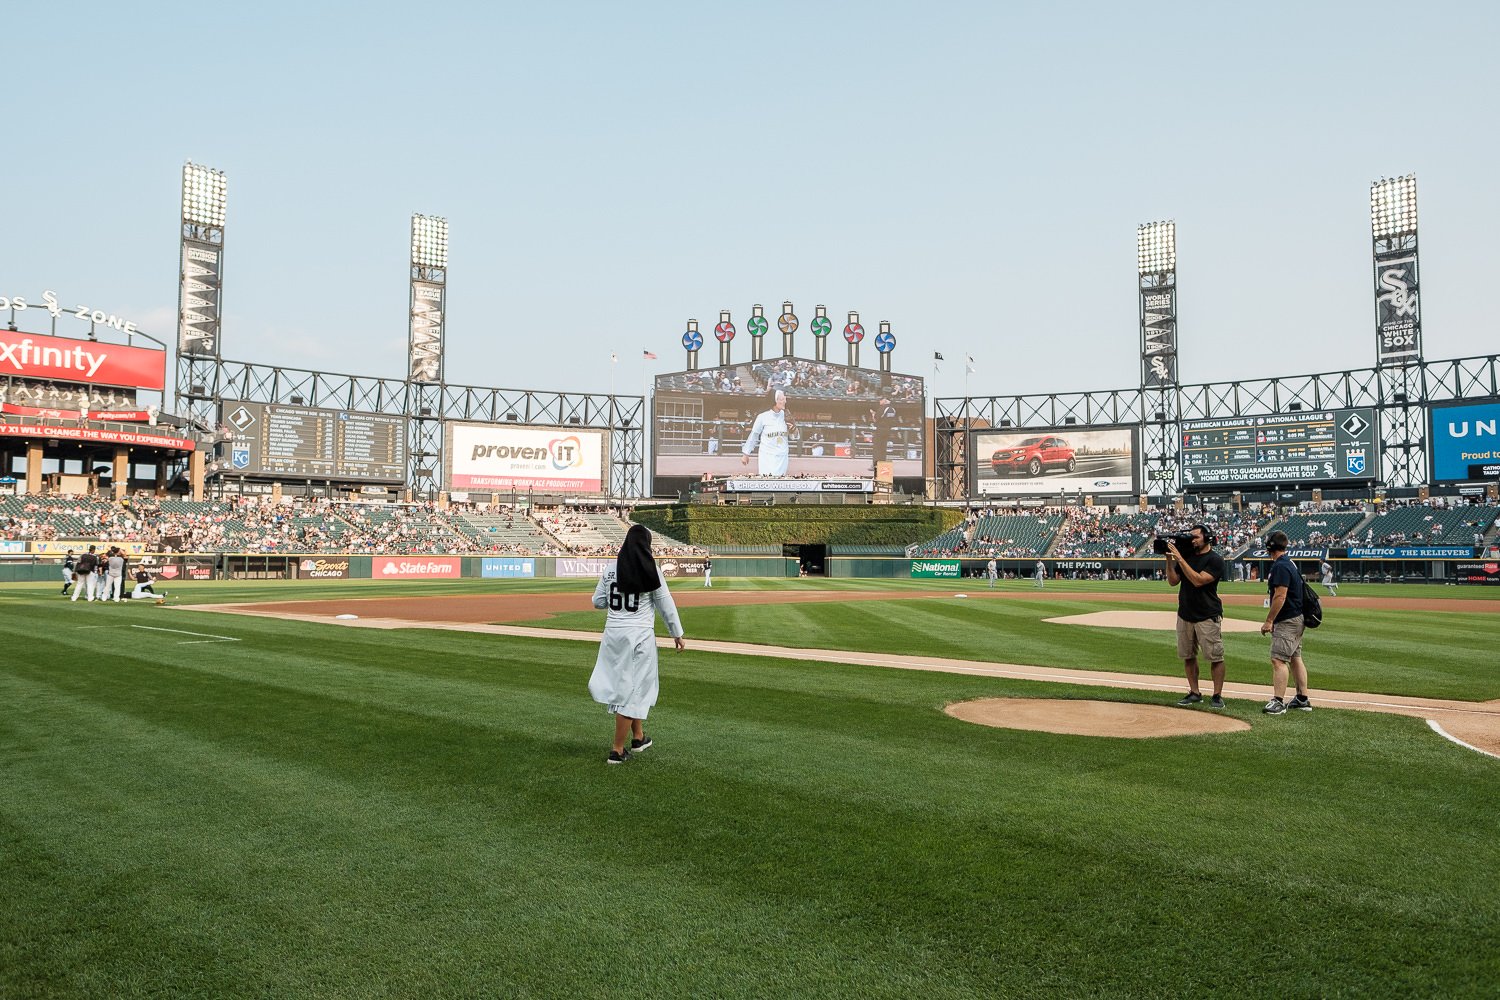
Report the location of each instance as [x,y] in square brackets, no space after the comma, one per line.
[617,757]
[1301,703]
[1217,701]
[1192,698]
[1275,707]
[644,743]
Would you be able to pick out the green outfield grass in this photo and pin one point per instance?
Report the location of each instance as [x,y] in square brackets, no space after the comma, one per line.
[318,811]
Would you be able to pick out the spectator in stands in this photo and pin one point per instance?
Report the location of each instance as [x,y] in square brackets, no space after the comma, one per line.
[1200,613]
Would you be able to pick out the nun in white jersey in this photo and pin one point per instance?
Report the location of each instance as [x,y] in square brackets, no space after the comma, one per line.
[624,677]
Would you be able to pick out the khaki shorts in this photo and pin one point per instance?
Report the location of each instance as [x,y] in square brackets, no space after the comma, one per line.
[1286,639]
[1208,636]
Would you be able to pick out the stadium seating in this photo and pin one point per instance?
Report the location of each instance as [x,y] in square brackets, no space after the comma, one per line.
[1014,535]
[1421,524]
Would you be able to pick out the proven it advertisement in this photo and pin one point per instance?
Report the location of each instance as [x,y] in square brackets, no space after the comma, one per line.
[492,458]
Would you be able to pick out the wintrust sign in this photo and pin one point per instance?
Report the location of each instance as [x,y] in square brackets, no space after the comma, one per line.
[60,359]
[415,567]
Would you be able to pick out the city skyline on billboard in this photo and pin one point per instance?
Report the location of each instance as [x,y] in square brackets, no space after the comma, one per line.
[786,416]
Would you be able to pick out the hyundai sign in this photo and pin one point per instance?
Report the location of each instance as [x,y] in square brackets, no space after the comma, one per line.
[1465,441]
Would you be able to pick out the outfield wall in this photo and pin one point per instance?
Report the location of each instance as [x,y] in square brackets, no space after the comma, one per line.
[177,568]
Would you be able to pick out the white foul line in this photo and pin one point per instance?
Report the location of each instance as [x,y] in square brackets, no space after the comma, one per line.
[193,642]
[1433,725]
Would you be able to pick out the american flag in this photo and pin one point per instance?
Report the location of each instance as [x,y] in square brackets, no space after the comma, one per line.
[647,355]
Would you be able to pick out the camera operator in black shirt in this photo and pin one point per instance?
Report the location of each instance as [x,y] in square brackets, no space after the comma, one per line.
[1200,613]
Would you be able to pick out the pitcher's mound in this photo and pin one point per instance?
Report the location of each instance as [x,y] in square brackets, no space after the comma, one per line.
[1093,718]
[1156,621]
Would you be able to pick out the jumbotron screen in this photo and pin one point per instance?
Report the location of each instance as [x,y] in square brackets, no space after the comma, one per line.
[1319,446]
[1072,460]
[786,417]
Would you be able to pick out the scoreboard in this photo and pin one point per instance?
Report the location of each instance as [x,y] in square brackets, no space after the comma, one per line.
[308,442]
[1322,446]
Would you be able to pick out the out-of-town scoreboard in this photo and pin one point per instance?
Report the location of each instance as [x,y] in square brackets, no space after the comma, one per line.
[271,439]
[1322,446]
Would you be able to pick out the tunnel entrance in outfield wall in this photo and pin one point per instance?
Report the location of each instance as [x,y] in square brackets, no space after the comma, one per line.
[812,558]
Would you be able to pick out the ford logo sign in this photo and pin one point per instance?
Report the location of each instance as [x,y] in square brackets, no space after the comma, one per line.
[1101,482]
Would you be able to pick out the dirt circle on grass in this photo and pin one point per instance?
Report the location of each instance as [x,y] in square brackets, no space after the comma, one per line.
[1093,718]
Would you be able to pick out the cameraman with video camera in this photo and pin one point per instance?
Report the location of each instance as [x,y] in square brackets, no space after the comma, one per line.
[1200,613]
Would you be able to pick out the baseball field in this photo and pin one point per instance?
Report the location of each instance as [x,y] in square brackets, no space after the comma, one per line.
[214,803]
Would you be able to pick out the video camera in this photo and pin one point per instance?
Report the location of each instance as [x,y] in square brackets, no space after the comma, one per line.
[1182,539]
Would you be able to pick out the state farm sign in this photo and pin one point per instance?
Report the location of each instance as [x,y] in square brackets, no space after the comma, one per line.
[62,359]
[414,568]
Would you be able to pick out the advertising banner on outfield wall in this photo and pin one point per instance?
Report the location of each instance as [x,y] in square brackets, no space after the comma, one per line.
[674,567]
[947,569]
[60,546]
[507,568]
[580,568]
[323,568]
[1413,552]
[11,547]
[499,458]
[1486,573]
[414,567]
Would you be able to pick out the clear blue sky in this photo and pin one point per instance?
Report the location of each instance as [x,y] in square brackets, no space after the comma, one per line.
[972,172]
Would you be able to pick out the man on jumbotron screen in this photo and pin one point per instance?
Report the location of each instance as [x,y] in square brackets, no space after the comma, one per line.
[769,433]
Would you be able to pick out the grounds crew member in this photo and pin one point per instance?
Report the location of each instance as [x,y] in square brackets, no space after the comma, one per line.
[1200,613]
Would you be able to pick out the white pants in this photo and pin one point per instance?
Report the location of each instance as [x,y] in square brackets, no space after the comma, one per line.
[93,586]
[708,578]
[141,593]
[112,588]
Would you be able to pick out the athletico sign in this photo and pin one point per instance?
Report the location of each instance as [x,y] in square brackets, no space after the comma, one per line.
[553,460]
[61,359]
[415,567]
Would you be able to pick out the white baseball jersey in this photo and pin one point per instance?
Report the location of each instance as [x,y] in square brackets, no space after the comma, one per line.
[625,677]
[770,434]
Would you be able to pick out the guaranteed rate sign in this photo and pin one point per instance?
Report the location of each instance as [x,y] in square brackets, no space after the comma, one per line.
[500,458]
[88,362]
[1321,446]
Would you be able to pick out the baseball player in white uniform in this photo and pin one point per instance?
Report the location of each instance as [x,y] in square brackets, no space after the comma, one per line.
[1325,573]
[625,672]
[991,571]
[1041,574]
[769,433]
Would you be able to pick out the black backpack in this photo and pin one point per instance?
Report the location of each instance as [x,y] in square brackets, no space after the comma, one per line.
[1312,607]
